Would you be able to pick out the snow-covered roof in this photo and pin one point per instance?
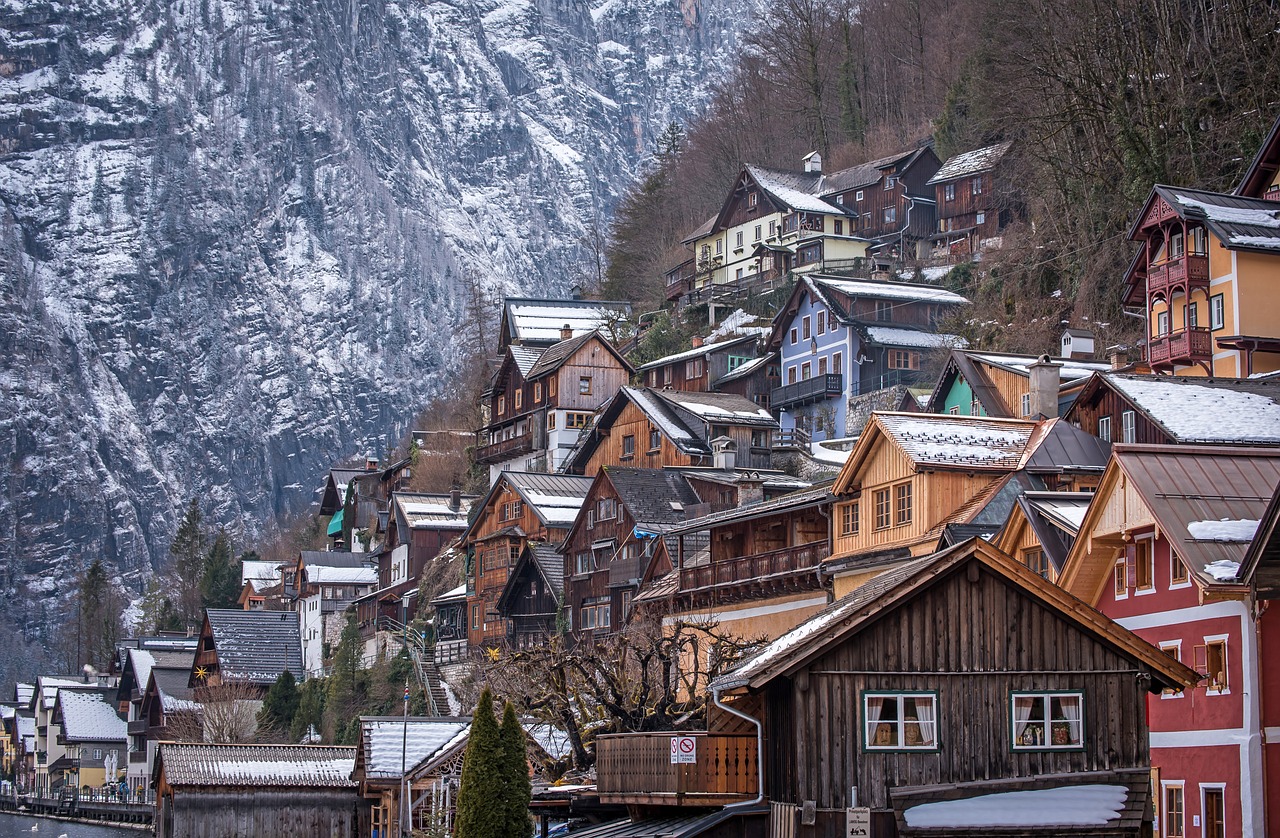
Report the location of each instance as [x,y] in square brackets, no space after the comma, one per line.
[555,498]
[427,511]
[698,352]
[1064,806]
[256,646]
[890,290]
[1072,369]
[293,766]
[796,190]
[49,689]
[738,322]
[541,321]
[87,717]
[970,163]
[720,407]
[384,747]
[459,592]
[897,336]
[1194,412]
[946,440]
[742,371]
[1236,221]
[319,575]
[653,407]
[259,570]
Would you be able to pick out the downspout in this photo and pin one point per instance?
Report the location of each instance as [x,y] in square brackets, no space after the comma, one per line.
[715,698]
[1259,610]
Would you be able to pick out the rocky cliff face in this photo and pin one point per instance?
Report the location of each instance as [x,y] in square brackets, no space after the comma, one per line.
[237,236]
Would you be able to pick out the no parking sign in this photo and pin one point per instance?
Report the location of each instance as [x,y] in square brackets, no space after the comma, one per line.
[684,749]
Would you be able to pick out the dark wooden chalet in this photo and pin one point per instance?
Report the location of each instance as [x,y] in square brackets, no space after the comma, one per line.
[246,647]
[754,381]
[426,523]
[449,620]
[428,752]
[611,544]
[973,203]
[521,507]
[645,428]
[891,198]
[1166,410]
[960,676]
[532,602]
[697,369]
[1262,178]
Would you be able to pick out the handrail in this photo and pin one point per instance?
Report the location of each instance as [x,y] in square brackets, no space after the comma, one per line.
[419,652]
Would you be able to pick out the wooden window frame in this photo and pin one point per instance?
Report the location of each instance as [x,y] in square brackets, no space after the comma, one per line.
[518,399]
[899,723]
[1035,561]
[976,186]
[821,325]
[882,500]
[1205,668]
[849,519]
[806,332]
[551,420]
[1172,648]
[628,446]
[1179,573]
[502,405]
[837,363]
[1165,819]
[902,504]
[584,385]
[1120,577]
[655,439]
[1144,559]
[1220,789]
[884,311]
[949,192]
[551,387]
[795,335]
[537,392]
[1046,696]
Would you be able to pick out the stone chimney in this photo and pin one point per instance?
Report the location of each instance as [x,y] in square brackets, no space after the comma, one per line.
[1118,355]
[724,454]
[455,498]
[750,489]
[370,463]
[1045,379]
[566,332]
[813,163]
[696,342]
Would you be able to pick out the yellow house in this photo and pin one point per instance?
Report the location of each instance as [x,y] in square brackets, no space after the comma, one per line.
[95,738]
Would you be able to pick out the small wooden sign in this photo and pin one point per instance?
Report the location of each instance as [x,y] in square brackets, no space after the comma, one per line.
[857,822]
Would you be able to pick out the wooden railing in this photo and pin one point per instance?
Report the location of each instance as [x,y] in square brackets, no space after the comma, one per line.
[758,566]
[1186,347]
[1191,269]
[810,390]
[636,768]
[503,449]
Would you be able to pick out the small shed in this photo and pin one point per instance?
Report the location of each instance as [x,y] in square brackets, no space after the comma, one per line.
[208,791]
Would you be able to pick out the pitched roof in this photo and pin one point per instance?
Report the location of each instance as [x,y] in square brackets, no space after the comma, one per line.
[1072,369]
[255,646]
[556,355]
[907,336]
[174,692]
[554,498]
[425,511]
[860,608]
[866,174]
[648,495]
[1262,170]
[333,558]
[797,190]
[524,357]
[88,717]
[1067,448]
[290,766]
[384,746]
[970,163]
[321,575]
[528,320]
[816,496]
[1261,564]
[718,408]
[1202,409]
[1055,519]
[1239,223]
[697,352]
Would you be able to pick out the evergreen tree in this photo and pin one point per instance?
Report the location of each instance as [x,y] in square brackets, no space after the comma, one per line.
[99,606]
[220,582]
[280,705]
[515,770]
[310,709]
[481,812]
[189,554]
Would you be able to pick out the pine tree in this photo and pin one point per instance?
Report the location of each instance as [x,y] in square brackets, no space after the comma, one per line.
[481,813]
[515,771]
[98,619]
[189,555]
[310,709]
[220,582]
[280,705]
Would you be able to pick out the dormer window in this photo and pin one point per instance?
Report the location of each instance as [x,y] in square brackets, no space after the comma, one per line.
[840,200]
[753,199]
[890,182]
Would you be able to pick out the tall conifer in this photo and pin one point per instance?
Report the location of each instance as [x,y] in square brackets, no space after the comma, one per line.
[515,773]
[481,810]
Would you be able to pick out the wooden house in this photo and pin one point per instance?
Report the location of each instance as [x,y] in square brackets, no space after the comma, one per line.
[540,323]
[1159,551]
[612,541]
[1164,410]
[915,478]
[540,398]
[425,524]
[246,647]
[838,339]
[520,507]
[356,499]
[697,369]
[532,602]
[645,428]
[208,791]
[755,380]
[1205,274]
[325,593]
[973,205]
[131,698]
[1041,528]
[1003,385]
[428,751]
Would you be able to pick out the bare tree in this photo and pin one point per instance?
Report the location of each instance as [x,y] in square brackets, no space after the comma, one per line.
[226,713]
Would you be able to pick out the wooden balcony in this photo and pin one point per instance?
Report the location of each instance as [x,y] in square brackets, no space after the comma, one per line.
[1184,273]
[496,452]
[138,727]
[680,279]
[636,769]
[816,389]
[771,569]
[1190,346]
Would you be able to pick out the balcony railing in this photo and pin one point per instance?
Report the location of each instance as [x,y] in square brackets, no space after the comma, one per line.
[1186,347]
[816,389]
[138,727]
[1191,269]
[758,567]
[636,768]
[136,757]
[496,452]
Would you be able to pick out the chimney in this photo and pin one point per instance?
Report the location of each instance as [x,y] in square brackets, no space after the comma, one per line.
[370,463]
[566,332]
[1118,355]
[455,498]
[813,163]
[696,342]
[1045,378]
[724,454]
[750,489]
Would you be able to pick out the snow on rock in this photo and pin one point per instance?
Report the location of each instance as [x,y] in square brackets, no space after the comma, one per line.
[738,323]
[1226,529]
[1088,805]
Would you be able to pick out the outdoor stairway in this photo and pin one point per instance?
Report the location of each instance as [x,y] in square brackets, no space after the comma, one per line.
[424,666]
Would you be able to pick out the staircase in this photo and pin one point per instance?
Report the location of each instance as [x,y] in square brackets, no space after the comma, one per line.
[424,666]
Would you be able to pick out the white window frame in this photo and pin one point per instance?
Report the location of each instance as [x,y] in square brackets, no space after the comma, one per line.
[1128,426]
[1217,312]
[1176,647]
[1225,640]
[1222,787]
[1185,583]
[1045,697]
[1026,404]
[1104,428]
[1165,785]
[899,722]
[857,196]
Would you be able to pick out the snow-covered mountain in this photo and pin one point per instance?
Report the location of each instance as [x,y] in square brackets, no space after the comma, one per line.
[237,235]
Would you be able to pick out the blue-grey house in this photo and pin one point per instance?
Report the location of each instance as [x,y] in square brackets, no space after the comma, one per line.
[840,338]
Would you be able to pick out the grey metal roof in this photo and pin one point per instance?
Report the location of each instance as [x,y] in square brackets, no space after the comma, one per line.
[334,558]
[1067,448]
[1238,222]
[257,646]
[816,496]
[648,494]
[250,766]
[671,827]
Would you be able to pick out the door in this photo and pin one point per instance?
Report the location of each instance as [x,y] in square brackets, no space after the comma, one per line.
[1214,808]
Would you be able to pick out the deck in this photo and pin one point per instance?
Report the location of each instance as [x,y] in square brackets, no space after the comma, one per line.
[636,769]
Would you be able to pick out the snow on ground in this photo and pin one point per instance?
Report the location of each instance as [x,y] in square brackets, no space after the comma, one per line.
[825,452]
[1091,805]
[1227,529]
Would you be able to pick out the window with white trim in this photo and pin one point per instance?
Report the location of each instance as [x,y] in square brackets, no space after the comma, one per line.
[1174,813]
[1026,404]
[1128,426]
[1213,665]
[1048,720]
[1217,312]
[1178,575]
[1144,562]
[1172,648]
[1104,428]
[900,721]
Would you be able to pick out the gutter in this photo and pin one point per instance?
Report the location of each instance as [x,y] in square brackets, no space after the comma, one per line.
[759,799]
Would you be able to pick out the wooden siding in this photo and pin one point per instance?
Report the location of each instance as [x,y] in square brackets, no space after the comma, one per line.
[973,643]
[631,420]
[636,768]
[1107,402]
[213,813]
[593,359]
[596,584]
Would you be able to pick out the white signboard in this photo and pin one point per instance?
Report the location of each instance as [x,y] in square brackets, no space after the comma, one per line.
[857,822]
[684,749]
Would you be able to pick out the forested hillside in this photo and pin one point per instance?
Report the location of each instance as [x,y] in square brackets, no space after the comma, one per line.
[1101,99]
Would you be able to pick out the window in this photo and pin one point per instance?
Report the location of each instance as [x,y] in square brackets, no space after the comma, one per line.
[1175,808]
[1127,432]
[1037,562]
[1193,315]
[1177,571]
[954,411]
[736,361]
[1047,720]
[884,311]
[1217,312]
[97,753]
[773,229]
[902,504]
[1162,323]
[1144,566]
[904,359]
[606,507]
[1026,404]
[1215,665]
[822,322]
[591,518]
[840,200]
[838,227]
[1215,820]
[1119,584]
[584,385]
[975,185]
[900,721]
[949,192]
[693,369]
[1176,246]
[502,405]
[719,247]
[1199,241]
[890,182]
[753,199]
[737,240]
[975,407]
[757,233]
[655,439]
[981,219]
[475,616]
[806,371]
[666,375]
[849,518]
[738,274]
[804,327]
[576,421]
[582,562]
[1104,428]
[857,196]
[551,388]
[794,338]
[791,375]
[1172,648]
[890,215]
[519,399]
[882,509]
[551,420]
[822,365]
[628,446]
[537,392]
[837,363]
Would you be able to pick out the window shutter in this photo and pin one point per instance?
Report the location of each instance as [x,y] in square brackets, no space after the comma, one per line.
[1131,565]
